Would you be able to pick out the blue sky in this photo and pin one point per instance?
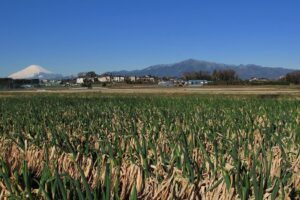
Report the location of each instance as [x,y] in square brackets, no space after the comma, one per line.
[69,36]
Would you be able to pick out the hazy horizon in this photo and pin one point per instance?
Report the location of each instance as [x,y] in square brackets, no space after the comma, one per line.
[72,36]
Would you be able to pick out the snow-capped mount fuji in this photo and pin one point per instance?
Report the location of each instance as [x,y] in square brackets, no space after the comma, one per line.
[35,72]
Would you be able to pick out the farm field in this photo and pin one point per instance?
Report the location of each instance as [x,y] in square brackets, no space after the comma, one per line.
[152,89]
[157,146]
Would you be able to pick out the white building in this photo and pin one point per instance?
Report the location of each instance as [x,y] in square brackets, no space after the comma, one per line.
[80,80]
[197,82]
[118,78]
[133,78]
[166,83]
[104,79]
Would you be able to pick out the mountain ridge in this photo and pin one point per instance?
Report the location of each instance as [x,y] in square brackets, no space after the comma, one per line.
[189,65]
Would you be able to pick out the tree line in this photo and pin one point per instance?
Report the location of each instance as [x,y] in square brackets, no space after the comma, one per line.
[216,75]
[293,77]
[229,76]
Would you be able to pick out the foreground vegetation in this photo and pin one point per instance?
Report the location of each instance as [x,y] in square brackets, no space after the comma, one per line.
[159,147]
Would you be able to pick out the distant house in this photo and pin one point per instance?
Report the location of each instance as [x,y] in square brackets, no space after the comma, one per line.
[141,79]
[66,82]
[166,83]
[196,82]
[255,79]
[49,83]
[104,79]
[44,81]
[118,78]
[147,79]
[179,82]
[26,86]
[80,80]
[133,78]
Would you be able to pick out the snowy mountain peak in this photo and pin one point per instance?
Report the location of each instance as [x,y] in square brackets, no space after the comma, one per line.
[36,69]
[33,71]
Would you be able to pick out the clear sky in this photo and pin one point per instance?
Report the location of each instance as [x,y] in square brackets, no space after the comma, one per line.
[69,36]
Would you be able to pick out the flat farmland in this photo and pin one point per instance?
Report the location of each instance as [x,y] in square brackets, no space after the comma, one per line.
[150,143]
[230,90]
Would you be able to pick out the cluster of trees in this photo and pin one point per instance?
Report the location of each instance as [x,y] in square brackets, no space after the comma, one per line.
[226,75]
[229,76]
[293,77]
[90,74]
[6,83]
[87,82]
[197,76]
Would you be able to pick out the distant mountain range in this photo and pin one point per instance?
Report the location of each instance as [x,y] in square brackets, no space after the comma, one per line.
[169,70]
[190,65]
